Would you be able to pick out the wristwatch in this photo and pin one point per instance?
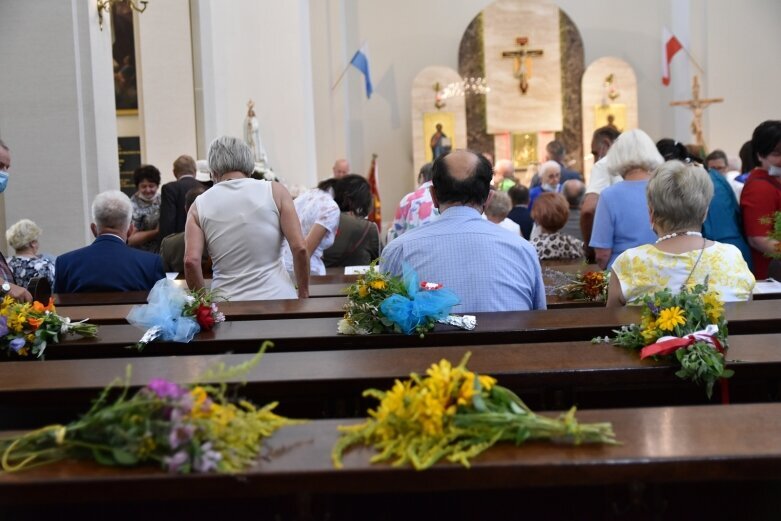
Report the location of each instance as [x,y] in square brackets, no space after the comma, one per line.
[5,288]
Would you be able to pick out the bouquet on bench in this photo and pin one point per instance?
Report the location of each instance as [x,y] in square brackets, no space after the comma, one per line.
[590,286]
[688,327]
[181,428]
[27,328]
[175,314]
[455,414]
[381,303]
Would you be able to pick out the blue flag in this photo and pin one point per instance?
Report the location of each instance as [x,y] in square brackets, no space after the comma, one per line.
[361,62]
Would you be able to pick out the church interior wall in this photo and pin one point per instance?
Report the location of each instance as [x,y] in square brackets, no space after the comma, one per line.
[56,108]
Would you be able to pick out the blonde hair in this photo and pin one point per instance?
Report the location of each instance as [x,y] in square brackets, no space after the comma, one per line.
[22,233]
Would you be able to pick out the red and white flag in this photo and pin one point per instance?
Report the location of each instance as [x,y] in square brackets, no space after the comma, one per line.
[670,46]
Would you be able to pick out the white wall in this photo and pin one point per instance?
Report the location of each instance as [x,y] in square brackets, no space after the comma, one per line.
[57,116]
[259,50]
[736,43]
[165,84]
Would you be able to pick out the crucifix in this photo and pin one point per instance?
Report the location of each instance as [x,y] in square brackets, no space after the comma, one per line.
[522,62]
[697,105]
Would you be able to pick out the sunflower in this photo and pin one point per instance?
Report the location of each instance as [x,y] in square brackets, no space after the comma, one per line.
[670,317]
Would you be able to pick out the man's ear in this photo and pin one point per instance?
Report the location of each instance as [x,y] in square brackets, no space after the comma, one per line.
[434,196]
[131,230]
[488,199]
[93,229]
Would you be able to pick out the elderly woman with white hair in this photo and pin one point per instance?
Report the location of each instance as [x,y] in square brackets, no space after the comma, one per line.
[621,220]
[27,263]
[241,222]
[678,196]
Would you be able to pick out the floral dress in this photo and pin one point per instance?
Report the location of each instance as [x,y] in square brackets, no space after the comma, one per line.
[557,246]
[27,268]
[146,216]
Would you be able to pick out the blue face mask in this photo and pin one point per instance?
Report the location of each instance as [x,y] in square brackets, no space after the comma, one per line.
[3,180]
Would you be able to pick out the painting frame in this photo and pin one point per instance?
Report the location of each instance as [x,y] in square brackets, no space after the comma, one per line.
[123,51]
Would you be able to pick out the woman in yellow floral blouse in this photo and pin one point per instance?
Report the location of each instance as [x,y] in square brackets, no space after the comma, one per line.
[678,197]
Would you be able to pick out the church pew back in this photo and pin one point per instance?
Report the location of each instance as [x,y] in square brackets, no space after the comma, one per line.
[549,376]
[658,445]
[314,334]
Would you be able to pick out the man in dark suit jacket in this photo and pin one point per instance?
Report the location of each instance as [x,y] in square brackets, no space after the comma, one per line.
[520,213]
[172,214]
[108,264]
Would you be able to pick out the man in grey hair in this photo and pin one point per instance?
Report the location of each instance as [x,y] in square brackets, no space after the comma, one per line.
[573,190]
[108,264]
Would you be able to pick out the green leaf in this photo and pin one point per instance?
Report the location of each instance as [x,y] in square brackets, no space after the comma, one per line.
[124,457]
[103,457]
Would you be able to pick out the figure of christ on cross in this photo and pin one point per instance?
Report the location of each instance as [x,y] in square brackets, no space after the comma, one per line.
[697,106]
[522,62]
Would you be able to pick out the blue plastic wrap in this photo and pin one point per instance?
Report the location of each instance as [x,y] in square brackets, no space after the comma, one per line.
[164,309]
[408,313]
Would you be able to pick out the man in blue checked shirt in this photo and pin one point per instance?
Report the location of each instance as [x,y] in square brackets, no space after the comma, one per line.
[489,268]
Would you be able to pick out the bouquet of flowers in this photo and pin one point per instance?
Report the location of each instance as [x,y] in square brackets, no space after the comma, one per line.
[689,325]
[456,414]
[183,429]
[175,314]
[26,329]
[775,233]
[379,303]
[590,286]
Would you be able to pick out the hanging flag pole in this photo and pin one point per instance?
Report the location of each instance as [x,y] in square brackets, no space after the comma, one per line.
[360,61]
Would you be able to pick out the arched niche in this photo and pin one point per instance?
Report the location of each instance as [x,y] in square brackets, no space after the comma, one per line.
[609,95]
[430,108]
[553,92]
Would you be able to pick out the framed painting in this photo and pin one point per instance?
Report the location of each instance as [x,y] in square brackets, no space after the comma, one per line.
[613,115]
[124,56]
[524,150]
[439,129]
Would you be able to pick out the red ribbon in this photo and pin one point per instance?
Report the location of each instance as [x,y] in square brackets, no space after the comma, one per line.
[668,347]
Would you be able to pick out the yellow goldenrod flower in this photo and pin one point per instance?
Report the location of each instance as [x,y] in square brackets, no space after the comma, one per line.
[362,291]
[671,317]
[202,406]
[714,307]
[650,335]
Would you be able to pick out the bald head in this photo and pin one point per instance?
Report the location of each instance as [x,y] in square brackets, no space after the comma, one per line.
[462,178]
[574,190]
[341,168]
[504,169]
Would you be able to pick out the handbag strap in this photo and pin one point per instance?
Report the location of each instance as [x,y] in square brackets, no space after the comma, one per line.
[702,250]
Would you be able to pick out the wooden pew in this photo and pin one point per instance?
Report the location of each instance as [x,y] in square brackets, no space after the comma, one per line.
[115,313]
[315,334]
[324,384]
[692,455]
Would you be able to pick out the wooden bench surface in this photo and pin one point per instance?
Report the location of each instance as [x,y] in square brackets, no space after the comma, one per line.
[115,313]
[658,445]
[559,374]
[314,334]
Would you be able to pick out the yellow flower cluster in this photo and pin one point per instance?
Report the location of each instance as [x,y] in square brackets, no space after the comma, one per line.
[425,405]
[653,327]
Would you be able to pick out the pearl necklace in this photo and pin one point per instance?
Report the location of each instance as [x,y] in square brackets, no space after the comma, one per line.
[676,234]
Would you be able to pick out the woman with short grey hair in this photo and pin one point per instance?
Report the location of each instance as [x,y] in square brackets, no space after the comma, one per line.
[678,197]
[621,220]
[27,263]
[241,222]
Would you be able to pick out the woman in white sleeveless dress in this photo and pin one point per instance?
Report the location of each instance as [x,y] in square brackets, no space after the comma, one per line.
[241,222]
